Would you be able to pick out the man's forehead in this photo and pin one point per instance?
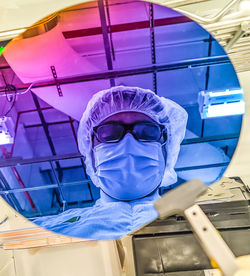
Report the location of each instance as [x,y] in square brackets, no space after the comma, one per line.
[128,117]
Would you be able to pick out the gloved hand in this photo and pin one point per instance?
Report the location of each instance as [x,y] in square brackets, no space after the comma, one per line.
[244,264]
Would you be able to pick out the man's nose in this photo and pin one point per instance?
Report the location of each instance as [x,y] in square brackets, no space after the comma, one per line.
[129,144]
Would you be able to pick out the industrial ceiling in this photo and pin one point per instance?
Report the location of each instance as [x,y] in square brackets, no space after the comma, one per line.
[70,259]
[67,57]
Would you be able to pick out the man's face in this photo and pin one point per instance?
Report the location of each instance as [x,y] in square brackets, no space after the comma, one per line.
[118,165]
[129,118]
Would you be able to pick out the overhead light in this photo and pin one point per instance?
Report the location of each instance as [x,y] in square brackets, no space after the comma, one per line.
[221,103]
[6,131]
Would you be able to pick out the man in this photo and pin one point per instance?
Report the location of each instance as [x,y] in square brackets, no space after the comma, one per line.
[130,138]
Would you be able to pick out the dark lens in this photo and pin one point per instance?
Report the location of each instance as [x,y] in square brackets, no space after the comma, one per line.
[147,131]
[109,133]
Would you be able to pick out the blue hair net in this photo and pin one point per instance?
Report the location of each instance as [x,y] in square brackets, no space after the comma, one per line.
[123,98]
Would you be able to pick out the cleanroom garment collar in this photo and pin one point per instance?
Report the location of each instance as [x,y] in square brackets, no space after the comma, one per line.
[104,198]
[108,219]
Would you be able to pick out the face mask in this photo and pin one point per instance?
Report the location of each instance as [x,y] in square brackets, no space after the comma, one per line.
[129,169]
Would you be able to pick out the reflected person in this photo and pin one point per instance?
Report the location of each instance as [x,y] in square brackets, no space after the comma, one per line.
[130,138]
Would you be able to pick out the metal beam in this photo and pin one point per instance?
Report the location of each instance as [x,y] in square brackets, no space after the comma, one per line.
[45,126]
[48,124]
[207,80]
[209,139]
[152,39]
[35,110]
[110,33]
[55,193]
[16,161]
[127,27]
[82,163]
[49,139]
[43,187]
[106,39]
[184,64]
[59,185]
[199,167]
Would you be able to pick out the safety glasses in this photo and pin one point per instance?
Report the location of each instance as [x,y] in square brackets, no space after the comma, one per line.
[112,132]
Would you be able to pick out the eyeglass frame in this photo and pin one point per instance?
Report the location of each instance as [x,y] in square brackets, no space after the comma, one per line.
[130,127]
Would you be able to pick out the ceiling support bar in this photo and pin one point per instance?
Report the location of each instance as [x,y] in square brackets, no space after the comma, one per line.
[82,163]
[58,87]
[152,40]
[109,31]
[59,186]
[183,64]
[127,27]
[207,79]
[49,139]
[106,39]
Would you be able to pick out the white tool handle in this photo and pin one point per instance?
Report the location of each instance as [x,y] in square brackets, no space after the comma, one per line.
[211,241]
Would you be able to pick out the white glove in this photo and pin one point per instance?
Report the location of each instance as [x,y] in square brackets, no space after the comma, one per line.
[244,264]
